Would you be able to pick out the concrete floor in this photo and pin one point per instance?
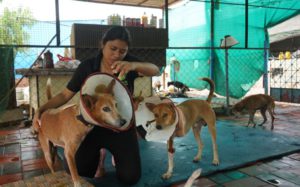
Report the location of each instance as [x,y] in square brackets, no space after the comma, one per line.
[21,157]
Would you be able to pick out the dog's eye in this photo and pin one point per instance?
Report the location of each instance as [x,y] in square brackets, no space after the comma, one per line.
[156,115]
[106,109]
[165,115]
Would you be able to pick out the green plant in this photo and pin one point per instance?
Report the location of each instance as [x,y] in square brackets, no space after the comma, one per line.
[12,24]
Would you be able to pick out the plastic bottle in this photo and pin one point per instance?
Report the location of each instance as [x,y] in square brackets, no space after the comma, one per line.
[109,20]
[145,20]
[153,21]
[288,55]
[67,53]
[48,60]
[124,21]
[118,19]
[161,23]
[281,56]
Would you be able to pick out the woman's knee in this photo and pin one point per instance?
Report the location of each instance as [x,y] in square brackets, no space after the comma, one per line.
[129,177]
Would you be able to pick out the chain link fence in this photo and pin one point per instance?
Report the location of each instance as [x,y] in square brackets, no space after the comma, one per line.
[30,80]
[284,73]
[24,83]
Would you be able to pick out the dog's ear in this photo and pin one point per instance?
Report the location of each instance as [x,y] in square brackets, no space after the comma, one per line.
[140,95]
[100,88]
[150,106]
[186,88]
[169,83]
[110,87]
[137,100]
[89,100]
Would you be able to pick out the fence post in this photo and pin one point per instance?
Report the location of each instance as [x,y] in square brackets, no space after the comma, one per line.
[265,76]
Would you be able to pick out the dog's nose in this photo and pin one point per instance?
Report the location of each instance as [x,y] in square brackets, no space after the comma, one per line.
[122,122]
[158,127]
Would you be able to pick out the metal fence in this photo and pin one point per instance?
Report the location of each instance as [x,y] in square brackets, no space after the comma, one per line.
[27,89]
[284,73]
[194,63]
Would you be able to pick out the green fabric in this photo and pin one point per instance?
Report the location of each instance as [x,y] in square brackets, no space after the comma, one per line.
[193,30]
[6,60]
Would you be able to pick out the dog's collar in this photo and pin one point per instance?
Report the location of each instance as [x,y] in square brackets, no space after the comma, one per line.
[144,115]
[80,118]
[180,118]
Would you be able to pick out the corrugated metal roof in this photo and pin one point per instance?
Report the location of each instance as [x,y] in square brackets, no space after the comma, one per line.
[287,29]
[139,3]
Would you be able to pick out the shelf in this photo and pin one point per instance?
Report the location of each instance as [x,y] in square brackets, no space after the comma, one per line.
[148,44]
[44,72]
[89,36]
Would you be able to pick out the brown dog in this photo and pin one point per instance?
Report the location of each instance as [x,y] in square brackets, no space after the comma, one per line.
[191,114]
[255,102]
[55,125]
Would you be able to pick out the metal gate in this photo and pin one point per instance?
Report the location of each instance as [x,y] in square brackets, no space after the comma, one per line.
[285,77]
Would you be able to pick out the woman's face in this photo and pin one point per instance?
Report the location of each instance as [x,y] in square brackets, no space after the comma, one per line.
[114,50]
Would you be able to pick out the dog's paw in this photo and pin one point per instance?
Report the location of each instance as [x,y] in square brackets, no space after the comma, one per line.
[166,176]
[216,162]
[77,184]
[196,159]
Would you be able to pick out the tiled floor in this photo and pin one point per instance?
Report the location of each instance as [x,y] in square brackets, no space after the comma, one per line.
[21,157]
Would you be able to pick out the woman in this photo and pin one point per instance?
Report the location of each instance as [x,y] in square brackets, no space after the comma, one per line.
[113,59]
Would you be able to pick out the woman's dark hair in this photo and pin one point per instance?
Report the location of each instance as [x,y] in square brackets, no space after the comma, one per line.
[116,33]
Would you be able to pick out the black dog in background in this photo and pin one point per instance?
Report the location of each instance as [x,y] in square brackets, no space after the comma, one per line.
[182,88]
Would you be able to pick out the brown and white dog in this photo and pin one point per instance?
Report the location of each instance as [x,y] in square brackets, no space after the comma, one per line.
[191,114]
[55,125]
[252,103]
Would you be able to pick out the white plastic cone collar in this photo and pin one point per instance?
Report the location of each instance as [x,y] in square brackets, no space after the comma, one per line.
[121,94]
[143,115]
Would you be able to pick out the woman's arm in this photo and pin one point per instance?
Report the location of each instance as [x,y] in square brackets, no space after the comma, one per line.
[143,68]
[57,101]
[146,69]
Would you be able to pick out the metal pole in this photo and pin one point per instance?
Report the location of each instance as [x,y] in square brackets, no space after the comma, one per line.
[167,18]
[265,76]
[212,37]
[226,80]
[246,23]
[57,23]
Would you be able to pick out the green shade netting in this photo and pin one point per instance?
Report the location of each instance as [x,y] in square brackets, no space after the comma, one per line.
[190,41]
[6,62]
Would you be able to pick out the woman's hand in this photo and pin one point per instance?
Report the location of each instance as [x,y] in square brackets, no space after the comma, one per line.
[143,68]
[123,67]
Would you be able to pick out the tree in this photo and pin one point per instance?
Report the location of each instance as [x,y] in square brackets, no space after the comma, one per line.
[12,24]
[12,32]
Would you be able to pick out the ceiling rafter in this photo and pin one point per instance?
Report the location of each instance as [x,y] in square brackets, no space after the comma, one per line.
[138,3]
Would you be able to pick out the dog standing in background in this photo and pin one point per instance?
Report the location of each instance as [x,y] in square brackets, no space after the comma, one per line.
[192,114]
[252,103]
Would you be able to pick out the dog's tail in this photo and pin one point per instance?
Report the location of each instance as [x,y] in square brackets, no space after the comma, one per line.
[211,88]
[48,89]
